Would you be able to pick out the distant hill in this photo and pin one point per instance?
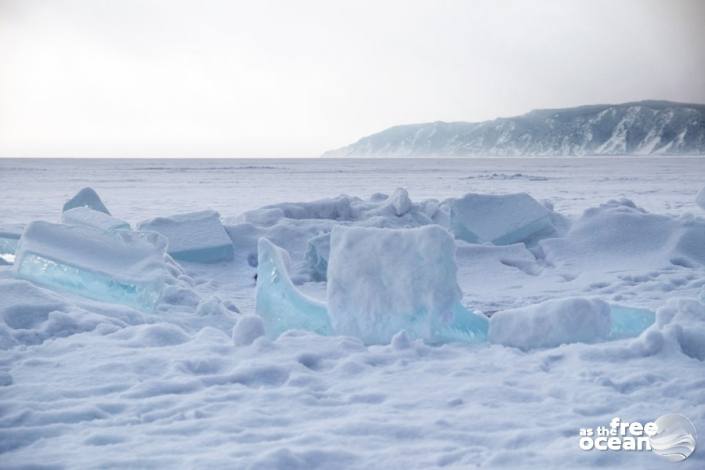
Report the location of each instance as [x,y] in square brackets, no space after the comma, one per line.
[639,128]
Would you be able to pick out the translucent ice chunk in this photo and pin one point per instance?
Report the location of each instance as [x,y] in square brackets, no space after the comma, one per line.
[123,267]
[502,220]
[198,237]
[282,306]
[9,237]
[87,197]
[465,327]
[382,281]
[628,322]
[93,218]
[317,256]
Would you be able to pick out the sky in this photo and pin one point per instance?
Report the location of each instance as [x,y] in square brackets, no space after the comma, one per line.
[266,78]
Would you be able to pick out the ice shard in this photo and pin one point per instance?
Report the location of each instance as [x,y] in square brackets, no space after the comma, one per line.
[198,237]
[280,304]
[123,267]
[87,197]
[628,322]
[93,218]
[498,219]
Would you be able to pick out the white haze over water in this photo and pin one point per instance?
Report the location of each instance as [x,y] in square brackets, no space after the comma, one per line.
[180,78]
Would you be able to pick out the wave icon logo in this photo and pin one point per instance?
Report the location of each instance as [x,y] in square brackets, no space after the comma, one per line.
[675,438]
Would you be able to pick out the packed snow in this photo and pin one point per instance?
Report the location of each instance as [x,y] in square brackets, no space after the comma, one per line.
[300,348]
[382,281]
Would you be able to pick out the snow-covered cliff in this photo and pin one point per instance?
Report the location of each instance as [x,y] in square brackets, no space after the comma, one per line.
[639,128]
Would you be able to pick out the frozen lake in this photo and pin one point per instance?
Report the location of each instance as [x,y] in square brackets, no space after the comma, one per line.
[138,189]
[91,384]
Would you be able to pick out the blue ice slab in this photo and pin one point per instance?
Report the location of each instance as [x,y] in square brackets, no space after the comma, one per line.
[498,219]
[124,267]
[466,326]
[90,284]
[629,322]
[280,304]
[197,237]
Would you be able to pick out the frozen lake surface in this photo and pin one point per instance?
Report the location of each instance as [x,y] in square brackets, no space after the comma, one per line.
[139,189]
[89,384]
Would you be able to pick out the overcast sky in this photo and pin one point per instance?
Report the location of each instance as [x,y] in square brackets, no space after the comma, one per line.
[188,78]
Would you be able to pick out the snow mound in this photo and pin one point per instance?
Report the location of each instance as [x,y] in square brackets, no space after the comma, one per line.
[30,315]
[552,323]
[247,329]
[382,210]
[197,236]
[124,267]
[382,281]
[618,233]
[303,228]
[87,197]
[93,218]
[502,220]
[679,327]
[281,306]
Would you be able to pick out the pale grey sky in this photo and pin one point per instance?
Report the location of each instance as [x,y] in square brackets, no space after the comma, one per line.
[188,78]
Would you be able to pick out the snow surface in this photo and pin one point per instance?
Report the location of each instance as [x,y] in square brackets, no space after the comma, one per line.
[700,198]
[90,384]
[552,323]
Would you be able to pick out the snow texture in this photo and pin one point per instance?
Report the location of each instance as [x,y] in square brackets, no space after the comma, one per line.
[502,220]
[247,329]
[552,323]
[87,197]
[197,237]
[125,267]
[382,281]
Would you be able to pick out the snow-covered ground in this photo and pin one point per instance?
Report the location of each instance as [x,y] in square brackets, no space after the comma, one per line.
[88,384]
